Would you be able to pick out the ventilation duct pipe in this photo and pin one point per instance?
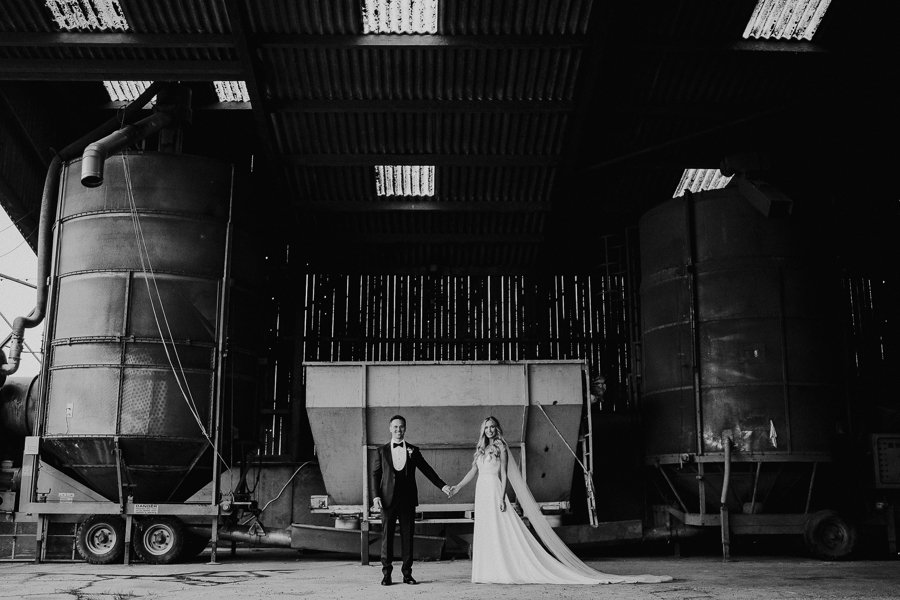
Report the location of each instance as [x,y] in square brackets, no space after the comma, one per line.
[48,214]
[277,538]
[94,157]
[18,406]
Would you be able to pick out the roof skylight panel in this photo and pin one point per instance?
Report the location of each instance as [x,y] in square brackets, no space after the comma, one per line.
[700,180]
[232,91]
[399,16]
[404,180]
[88,15]
[786,19]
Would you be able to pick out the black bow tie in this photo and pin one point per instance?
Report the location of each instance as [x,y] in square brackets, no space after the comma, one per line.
[396,445]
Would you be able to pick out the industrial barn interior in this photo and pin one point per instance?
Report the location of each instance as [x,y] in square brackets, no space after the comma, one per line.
[688,200]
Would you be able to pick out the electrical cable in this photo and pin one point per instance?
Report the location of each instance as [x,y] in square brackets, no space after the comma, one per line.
[17,221]
[284,487]
[16,247]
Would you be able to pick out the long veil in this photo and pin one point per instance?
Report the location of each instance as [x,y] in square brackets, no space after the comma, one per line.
[551,541]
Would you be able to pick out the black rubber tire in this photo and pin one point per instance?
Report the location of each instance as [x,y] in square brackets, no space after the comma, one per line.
[101,539]
[829,536]
[194,544]
[158,540]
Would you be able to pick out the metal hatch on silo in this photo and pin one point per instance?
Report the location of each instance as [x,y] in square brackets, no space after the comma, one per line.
[137,261]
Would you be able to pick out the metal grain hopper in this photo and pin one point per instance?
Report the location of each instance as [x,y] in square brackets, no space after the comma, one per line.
[538,403]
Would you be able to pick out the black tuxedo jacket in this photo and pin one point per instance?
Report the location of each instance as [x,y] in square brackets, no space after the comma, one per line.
[382,476]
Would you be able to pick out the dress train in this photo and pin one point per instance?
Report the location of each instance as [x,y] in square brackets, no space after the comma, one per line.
[505,551]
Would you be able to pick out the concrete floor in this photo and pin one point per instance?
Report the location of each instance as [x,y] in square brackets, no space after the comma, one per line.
[256,573]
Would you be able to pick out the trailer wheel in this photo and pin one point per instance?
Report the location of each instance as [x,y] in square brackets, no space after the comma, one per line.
[829,536]
[158,540]
[101,539]
[194,544]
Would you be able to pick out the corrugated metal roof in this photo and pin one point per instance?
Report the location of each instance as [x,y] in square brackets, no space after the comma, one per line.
[433,73]
[474,184]
[463,133]
[531,113]
[179,16]
[454,17]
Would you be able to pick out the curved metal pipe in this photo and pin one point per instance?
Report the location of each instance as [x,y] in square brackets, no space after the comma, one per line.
[280,538]
[726,478]
[723,507]
[47,216]
[94,157]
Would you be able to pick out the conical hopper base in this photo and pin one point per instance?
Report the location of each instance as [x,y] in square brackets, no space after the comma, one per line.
[153,470]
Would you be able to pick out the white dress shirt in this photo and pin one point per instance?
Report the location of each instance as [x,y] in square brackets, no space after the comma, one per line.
[398,455]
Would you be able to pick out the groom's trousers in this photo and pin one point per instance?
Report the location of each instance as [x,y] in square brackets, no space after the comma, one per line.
[389,517]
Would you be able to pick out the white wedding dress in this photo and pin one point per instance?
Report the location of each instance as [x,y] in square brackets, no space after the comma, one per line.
[505,551]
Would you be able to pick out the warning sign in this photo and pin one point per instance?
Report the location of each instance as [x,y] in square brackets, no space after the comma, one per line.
[146,509]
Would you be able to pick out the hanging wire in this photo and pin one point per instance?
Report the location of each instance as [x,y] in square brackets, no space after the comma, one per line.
[149,275]
[17,221]
[16,247]
[284,487]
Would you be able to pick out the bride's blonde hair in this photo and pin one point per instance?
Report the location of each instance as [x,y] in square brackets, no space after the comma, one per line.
[486,446]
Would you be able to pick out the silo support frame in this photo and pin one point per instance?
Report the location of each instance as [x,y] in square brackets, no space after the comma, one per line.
[44,512]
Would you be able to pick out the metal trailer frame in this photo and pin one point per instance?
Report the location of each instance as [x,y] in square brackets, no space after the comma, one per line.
[367,516]
[751,523]
[43,512]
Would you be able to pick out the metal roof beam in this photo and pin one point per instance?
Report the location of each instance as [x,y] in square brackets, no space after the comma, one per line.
[430,239]
[438,106]
[111,70]
[115,40]
[421,41]
[337,160]
[417,205]
[249,70]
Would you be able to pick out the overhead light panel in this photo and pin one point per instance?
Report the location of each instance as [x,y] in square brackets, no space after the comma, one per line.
[786,19]
[404,180]
[700,180]
[125,91]
[88,15]
[232,91]
[399,16]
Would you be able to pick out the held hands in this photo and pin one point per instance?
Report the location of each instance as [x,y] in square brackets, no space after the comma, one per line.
[449,490]
[376,504]
[502,504]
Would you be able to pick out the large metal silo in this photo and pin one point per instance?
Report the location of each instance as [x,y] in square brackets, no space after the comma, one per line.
[135,324]
[740,360]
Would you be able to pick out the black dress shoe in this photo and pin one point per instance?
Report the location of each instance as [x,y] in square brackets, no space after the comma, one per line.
[410,580]
[385,580]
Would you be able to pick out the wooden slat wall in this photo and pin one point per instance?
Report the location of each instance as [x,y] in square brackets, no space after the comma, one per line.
[438,317]
[453,317]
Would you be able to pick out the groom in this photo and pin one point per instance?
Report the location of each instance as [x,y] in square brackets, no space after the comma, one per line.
[394,492]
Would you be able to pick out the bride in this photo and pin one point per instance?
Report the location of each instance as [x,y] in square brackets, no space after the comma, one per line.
[503,549]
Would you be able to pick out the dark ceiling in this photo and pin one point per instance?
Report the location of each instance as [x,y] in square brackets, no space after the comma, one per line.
[550,123]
